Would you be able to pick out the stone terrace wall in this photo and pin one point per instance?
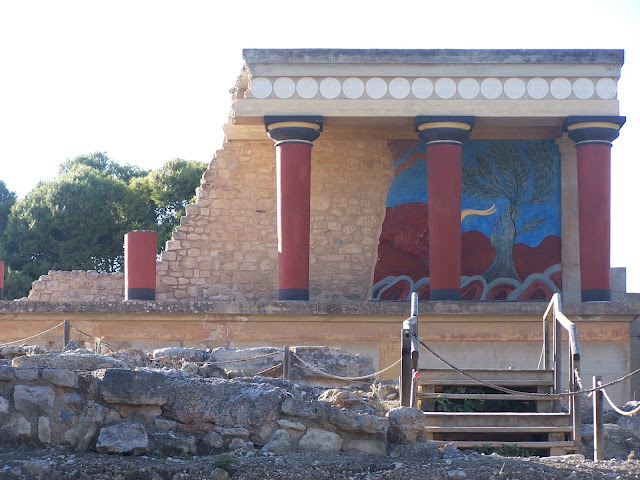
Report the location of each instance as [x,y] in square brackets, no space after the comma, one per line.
[78,286]
[226,246]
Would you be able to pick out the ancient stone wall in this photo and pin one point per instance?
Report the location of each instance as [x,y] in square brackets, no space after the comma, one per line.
[226,246]
[78,286]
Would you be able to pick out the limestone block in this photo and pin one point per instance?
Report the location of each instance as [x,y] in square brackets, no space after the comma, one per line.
[213,441]
[369,447]
[358,422]
[19,428]
[4,405]
[128,438]
[7,373]
[313,410]
[133,387]
[280,442]
[33,399]
[25,374]
[62,378]
[75,360]
[406,425]
[172,443]
[292,425]
[320,440]
[44,429]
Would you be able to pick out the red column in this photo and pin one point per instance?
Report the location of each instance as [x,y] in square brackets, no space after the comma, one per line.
[444,137]
[593,137]
[293,137]
[140,265]
[1,280]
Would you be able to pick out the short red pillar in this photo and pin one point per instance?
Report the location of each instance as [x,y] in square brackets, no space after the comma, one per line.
[293,137]
[140,265]
[444,137]
[593,137]
[1,280]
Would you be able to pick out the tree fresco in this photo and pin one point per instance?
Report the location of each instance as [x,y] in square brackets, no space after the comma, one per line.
[510,223]
[522,176]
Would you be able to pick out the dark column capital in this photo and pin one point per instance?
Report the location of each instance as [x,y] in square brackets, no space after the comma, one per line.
[444,129]
[593,129]
[293,128]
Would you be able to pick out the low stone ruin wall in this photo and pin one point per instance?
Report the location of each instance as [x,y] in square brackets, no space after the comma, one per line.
[78,286]
[134,403]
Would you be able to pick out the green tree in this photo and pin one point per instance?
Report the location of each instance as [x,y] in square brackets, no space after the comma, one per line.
[7,199]
[78,220]
[522,177]
[171,188]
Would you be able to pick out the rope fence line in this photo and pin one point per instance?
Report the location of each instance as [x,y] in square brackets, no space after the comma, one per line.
[550,396]
[32,336]
[337,377]
[97,338]
[240,360]
[621,412]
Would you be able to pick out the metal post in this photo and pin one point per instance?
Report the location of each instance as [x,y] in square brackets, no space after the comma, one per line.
[67,333]
[405,369]
[598,421]
[286,364]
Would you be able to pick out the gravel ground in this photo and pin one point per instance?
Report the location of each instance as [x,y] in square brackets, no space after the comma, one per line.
[405,465]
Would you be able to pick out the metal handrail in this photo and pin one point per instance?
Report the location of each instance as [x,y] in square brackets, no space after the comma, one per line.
[554,321]
[410,354]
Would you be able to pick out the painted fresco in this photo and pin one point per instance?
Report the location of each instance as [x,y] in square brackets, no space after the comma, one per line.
[510,222]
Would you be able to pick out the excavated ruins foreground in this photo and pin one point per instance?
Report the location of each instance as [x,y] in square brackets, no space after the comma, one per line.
[190,413]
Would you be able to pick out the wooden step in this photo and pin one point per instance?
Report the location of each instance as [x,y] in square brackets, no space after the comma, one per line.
[532,430]
[495,419]
[503,377]
[480,396]
[566,445]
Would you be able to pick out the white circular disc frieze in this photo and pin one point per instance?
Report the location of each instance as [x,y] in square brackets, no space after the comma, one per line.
[445,88]
[307,87]
[376,87]
[284,87]
[560,88]
[330,88]
[537,88]
[468,88]
[606,88]
[514,88]
[261,87]
[399,87]
[353,87]
[583,88]
[491,88]
[422,88]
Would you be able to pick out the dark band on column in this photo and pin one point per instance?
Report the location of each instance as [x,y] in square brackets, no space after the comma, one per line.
[593,129]
[444,129]
[293,294]
[445,294]
[596,295]
[1,293]
[141,294]
[293,128]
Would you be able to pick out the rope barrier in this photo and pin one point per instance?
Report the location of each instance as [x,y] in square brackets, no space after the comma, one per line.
[276,366]
[336,377]
[32,336]
[240,360]
[96,338]
[630,413]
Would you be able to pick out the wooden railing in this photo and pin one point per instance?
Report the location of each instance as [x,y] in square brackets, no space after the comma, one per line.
[553,322]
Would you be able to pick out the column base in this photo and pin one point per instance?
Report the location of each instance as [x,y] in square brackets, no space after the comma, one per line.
[293,294]
[445,294]
[596,295]
[141,294]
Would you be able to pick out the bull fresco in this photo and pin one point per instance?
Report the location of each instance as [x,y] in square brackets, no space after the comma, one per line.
[510,222]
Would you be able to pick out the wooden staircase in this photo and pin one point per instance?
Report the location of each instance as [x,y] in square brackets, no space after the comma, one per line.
[469,414]
[499,419]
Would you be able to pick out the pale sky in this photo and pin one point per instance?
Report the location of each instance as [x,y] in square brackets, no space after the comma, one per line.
[147,81]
